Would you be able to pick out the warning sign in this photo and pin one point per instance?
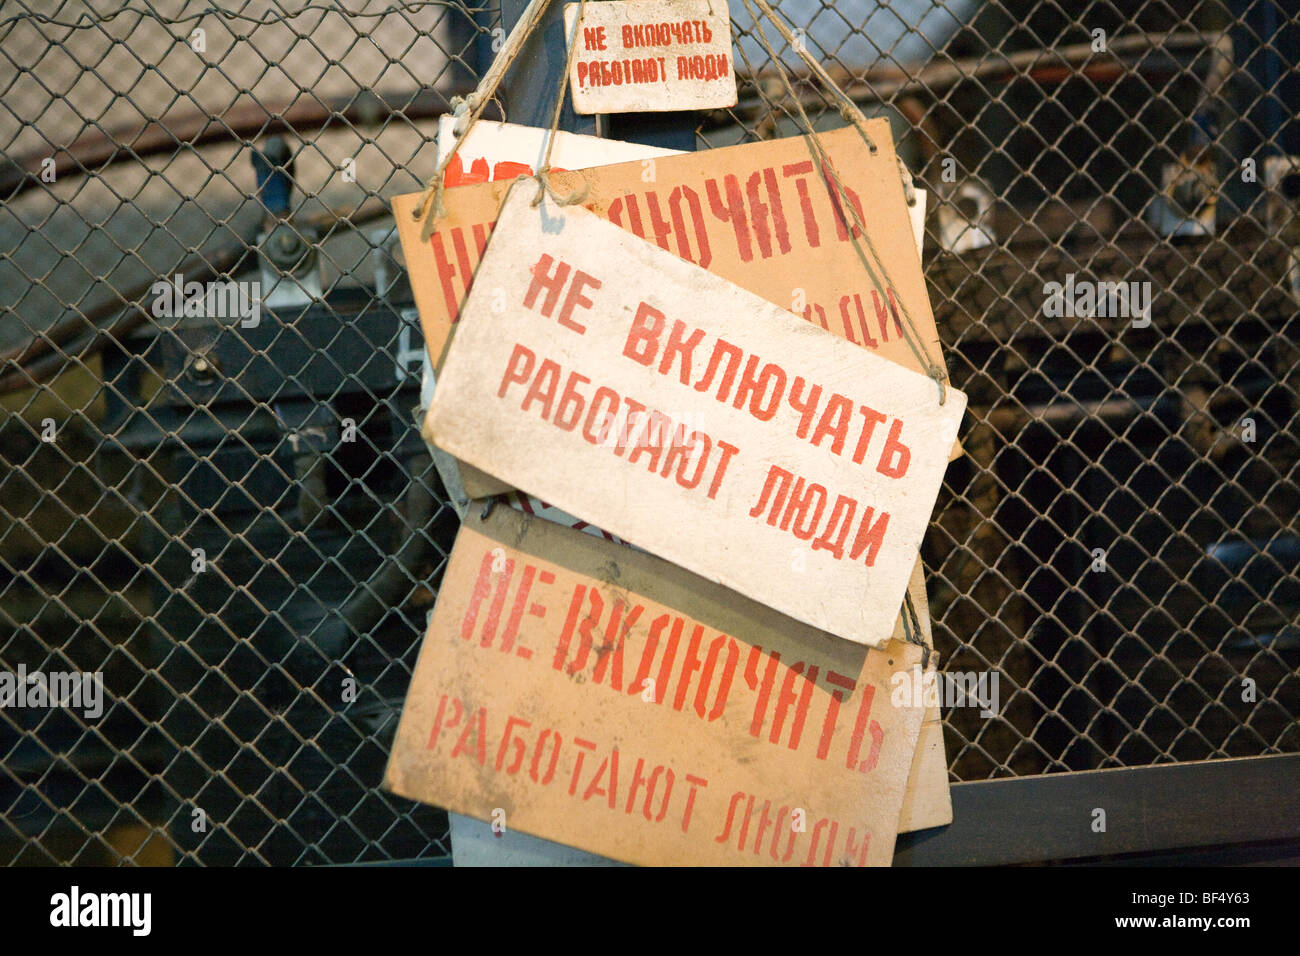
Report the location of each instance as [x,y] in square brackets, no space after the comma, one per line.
[634,56]
[691,418]
[586,693]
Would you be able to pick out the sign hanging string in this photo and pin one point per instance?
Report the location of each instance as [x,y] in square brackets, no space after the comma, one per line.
[430,207]
[852,115]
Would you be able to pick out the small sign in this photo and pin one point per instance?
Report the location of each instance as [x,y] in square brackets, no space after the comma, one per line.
[759,215]
[582,692]
[688,417]
[637,56]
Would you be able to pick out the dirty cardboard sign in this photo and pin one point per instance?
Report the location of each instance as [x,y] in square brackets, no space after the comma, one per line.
[634,56]
[759,215]
[600,697]
[691,418]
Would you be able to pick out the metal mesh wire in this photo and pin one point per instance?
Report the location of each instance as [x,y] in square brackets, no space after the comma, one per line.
[183,510]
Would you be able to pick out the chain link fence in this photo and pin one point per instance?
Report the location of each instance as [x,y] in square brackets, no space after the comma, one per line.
[235,523]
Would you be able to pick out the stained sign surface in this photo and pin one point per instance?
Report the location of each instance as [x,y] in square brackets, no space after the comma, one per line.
[689,417]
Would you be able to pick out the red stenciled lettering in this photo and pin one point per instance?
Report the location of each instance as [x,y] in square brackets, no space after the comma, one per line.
[800,171]
[724,679]
[445,272]
[538,750]
[777,830]
[860,730]
[521,748]
[476,728]
[654,436]
[519,369]
[588,746]
[570,622]
[569,412]
[610,654]
[690,665]
[809,406]
[639,683]
[755,386]
[821,315]
[438,725]
[731,816]
[650,784]
[774,474]
[763,685]
[870,419]
[882,316]
[610,790]
[835,423]
[841,684]
[850,850]
[725,450]
[482,588]
[838,519]
[733,359]
[844,319]
[587,641]
[703,254]
[632,427]
[493,620]
[507,169]
[606,419]
[837,191]
[889,465]
[696,783]
[733,211]
[816,841]
[810,506]
[786,697]
[545,384]
[575,297]
[761,211]
[680,347]
[658,224]
[869,537]
[867,338]
[543,278]
[456,175]
[696,447]
[642,343]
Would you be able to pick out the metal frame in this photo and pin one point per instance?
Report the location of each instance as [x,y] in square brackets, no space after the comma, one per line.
[1208,803]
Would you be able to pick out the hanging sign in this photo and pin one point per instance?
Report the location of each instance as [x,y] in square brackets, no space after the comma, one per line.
[637,56]
[687,416]
[586,693]
[759,215]
[499,152]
